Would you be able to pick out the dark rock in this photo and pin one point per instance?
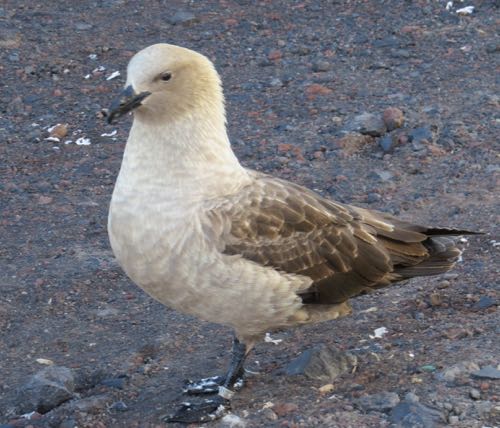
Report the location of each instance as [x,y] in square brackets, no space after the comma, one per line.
[46,389]
[379,65]
[420,135]
[380,402]
[87,379]
[493,47]
[386,42]
[487,372]
[484,302]
[387,143]
[182,17]
[301,50]
[322,363]
[419,316]
[265,63]
[119,406]
[373,197]
[117,382]
[68,423]
[29,69]
[35,135]
[415,415]
[368,124]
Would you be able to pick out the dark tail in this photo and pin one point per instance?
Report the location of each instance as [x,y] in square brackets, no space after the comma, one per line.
[443,252]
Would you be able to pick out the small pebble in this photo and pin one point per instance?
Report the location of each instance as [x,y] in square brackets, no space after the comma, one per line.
[373,197]
[275,82]
[475,394]
[83,26]
[393,118]
[182,17]
[326,388]
[274,55]
[412,398]
[281,409]
[232,421]
[321,66]
[381,402]
[420,135]
[386,143]
[428,368]
[269,414]
[443,284]
[59,131]
[368,124]
[120,406]
[436,299]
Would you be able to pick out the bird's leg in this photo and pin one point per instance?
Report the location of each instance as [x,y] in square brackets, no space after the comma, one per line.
[233,378]
[214,408]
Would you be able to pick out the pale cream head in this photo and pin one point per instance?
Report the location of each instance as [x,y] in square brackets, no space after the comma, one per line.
[181,82]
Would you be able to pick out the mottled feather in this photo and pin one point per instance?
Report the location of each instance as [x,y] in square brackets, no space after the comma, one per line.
[345,250]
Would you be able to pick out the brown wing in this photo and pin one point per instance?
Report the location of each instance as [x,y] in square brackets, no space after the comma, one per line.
[344,250]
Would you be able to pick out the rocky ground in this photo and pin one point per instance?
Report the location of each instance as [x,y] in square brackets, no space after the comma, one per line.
[307,85]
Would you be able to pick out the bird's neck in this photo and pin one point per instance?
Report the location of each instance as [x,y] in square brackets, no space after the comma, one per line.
[188,159]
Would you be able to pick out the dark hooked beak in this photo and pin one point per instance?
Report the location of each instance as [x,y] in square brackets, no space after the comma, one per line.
[127,101]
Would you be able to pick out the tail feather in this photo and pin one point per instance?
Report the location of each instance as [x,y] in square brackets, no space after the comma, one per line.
[417,250]
[445,231]
[443,254]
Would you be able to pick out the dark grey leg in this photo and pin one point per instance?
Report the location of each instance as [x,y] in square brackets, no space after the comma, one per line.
[232,380]
[238,357]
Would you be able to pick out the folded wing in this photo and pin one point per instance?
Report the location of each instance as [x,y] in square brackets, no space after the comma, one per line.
[345,250]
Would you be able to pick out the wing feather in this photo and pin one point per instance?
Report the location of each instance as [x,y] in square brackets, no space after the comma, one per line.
[344,250]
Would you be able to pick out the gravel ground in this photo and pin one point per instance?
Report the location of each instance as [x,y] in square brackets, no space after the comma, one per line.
[297,75]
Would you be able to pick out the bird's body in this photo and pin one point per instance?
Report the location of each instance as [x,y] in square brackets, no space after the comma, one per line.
[204,235]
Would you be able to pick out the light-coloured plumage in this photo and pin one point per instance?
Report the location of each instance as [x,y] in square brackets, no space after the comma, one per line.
[204,235]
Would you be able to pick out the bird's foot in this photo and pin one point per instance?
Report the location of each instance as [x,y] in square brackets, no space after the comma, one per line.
[205,411]
[210,385]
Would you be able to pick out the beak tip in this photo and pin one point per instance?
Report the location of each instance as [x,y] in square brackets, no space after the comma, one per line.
[128,101]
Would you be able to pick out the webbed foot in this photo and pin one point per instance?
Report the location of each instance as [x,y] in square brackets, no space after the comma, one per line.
[207,410]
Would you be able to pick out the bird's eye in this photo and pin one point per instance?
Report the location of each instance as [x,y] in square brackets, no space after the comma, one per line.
[166,76]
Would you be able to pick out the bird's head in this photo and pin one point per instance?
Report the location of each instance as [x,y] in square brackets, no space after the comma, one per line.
[165,82]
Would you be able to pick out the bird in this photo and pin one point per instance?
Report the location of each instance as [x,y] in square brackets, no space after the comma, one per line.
[206,236]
